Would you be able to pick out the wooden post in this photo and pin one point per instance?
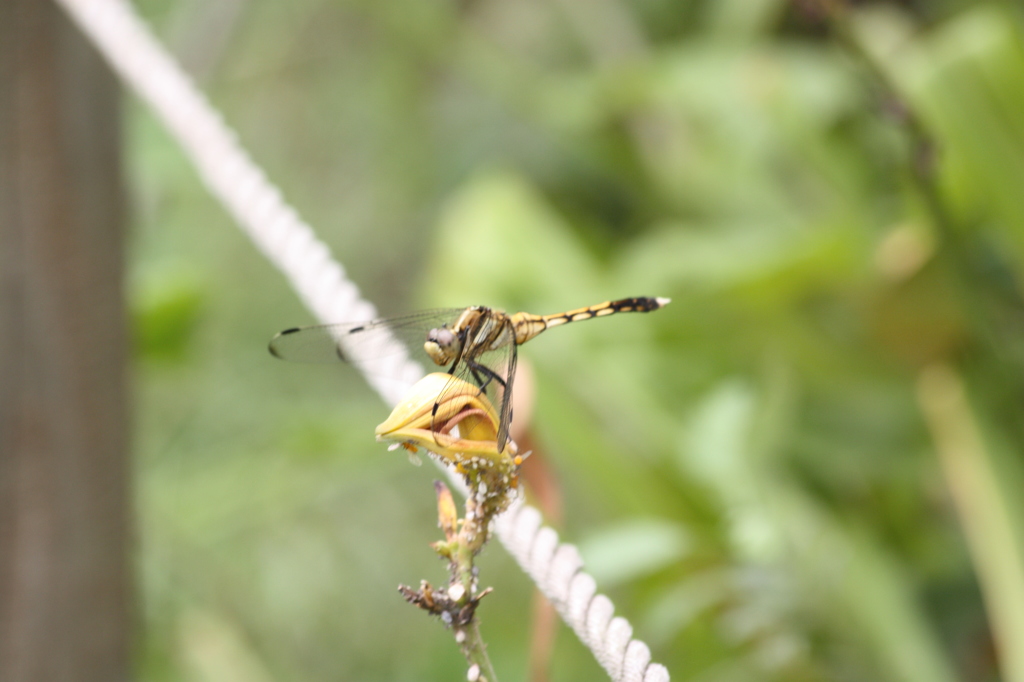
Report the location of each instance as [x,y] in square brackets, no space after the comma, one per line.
[65,567]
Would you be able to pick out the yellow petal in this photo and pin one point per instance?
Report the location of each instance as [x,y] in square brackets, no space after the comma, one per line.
[416,410]
[413,420]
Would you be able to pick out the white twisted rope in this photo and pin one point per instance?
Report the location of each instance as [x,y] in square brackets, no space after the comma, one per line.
[291,245]
[557,570]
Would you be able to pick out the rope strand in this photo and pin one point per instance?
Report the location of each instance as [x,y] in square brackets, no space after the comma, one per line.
[557,570]
[292,246]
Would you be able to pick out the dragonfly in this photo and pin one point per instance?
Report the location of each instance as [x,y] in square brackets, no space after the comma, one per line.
[477,344]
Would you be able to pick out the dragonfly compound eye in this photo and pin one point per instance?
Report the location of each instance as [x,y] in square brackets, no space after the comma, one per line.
[442,345]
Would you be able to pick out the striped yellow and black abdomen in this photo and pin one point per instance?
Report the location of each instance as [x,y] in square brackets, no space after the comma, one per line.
[528,326]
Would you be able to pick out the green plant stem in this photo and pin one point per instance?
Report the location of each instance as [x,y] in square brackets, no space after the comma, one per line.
[954,252]
[476,651]
[969,466]
[984,304]
[470,540]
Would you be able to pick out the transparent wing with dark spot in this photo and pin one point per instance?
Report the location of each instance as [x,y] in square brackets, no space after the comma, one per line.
[491,371]
[362,343]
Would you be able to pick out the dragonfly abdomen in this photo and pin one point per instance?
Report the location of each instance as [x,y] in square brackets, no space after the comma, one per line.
[528,326]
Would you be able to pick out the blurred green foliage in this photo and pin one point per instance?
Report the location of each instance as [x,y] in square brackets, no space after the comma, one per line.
[166,309]
[835,206]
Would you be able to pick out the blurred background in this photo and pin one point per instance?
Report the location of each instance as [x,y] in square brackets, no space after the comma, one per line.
[808,467]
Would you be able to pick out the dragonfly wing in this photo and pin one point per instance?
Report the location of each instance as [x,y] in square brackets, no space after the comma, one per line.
[506,398]
[362,343]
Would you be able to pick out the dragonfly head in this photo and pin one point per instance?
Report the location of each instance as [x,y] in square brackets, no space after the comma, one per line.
[442,345]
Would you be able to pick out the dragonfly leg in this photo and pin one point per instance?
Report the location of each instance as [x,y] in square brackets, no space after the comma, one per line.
[475,367]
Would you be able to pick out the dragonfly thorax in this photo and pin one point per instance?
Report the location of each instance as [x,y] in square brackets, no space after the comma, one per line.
[442,345]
